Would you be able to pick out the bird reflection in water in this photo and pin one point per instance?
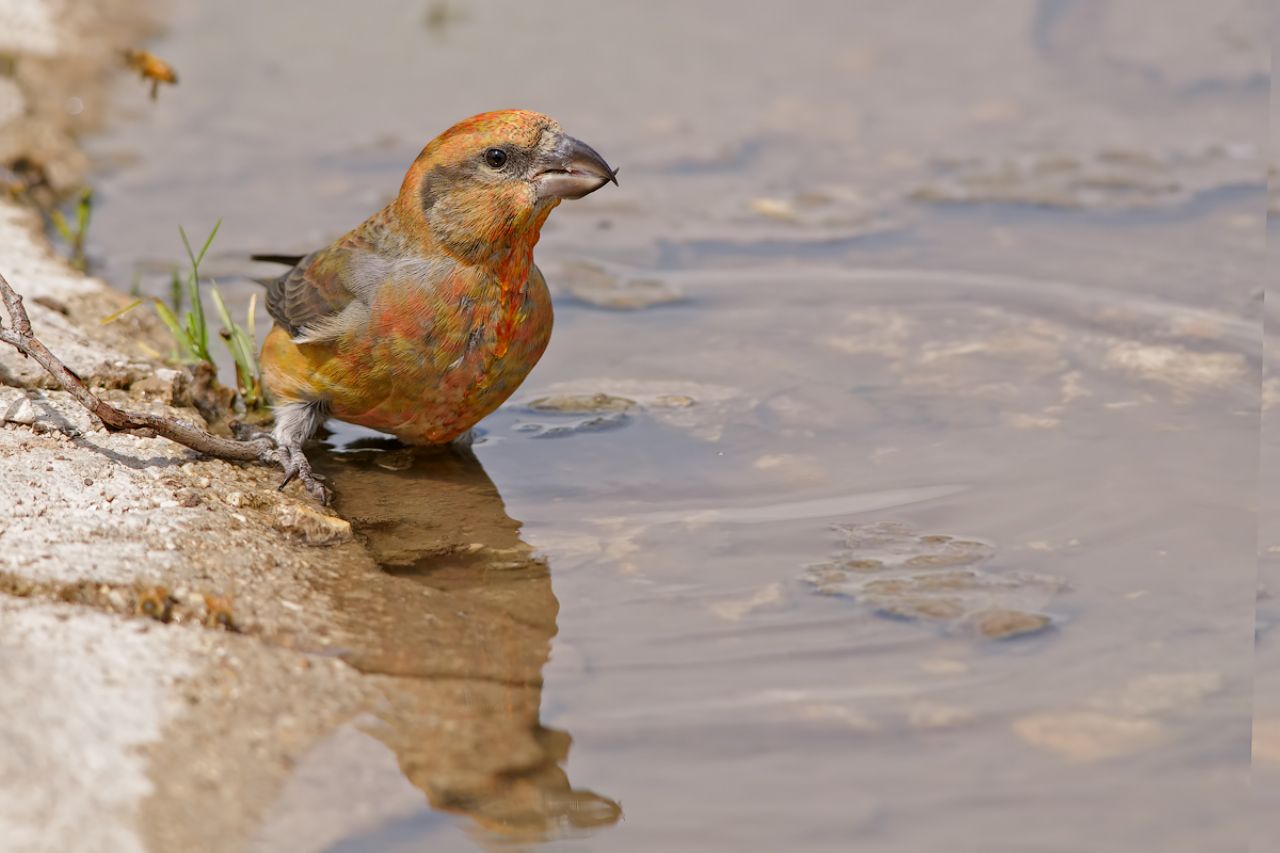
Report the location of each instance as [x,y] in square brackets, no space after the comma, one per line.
[461,614]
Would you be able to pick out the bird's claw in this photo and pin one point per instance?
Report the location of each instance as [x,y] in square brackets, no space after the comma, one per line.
[295,465]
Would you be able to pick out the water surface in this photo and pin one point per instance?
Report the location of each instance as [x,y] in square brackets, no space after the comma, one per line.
[989,273]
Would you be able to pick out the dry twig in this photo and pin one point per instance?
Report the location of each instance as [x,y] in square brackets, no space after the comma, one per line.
[260,449]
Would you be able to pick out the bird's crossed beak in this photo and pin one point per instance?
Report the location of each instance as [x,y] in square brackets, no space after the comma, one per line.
[572,169]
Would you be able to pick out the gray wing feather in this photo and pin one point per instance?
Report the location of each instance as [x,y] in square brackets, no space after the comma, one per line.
[304,297]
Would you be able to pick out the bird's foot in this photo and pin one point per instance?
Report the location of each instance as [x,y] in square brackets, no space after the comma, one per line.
[296,466]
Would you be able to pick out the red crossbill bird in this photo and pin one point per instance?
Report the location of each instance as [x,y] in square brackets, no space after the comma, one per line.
[429,314]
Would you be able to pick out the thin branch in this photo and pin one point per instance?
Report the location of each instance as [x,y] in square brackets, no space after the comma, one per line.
[175,429]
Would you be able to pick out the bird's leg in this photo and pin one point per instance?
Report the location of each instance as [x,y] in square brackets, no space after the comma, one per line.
[295,423]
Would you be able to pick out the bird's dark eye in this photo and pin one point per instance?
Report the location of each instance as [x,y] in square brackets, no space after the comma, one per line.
[496,157]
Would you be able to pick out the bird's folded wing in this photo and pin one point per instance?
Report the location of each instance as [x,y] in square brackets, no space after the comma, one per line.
[311,295]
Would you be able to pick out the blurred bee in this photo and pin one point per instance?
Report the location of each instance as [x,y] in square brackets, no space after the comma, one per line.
[217,613]
[151,67]
[154,602]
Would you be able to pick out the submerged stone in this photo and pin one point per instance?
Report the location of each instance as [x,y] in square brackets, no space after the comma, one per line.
[598,286]
[1001,624]
[896,572]
[582,403]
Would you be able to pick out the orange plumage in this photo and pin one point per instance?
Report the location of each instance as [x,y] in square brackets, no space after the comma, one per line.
[428,315]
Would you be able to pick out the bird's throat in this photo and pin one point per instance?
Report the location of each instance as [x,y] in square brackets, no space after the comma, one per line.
[494,237]
[511,265]
[513,280]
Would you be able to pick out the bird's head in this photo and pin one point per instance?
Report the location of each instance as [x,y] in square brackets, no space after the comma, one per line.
[485,186]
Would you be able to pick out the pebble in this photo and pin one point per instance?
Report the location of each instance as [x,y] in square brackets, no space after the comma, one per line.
[311,526]
[22,412]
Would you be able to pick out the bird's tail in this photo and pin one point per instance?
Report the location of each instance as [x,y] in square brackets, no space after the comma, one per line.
[287,260]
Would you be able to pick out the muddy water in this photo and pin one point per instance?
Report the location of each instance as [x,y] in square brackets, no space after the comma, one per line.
[918,511]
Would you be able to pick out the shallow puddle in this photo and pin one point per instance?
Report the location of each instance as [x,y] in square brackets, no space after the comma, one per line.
[906,406]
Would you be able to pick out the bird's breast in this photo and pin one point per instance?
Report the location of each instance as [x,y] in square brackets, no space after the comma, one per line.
[435,361]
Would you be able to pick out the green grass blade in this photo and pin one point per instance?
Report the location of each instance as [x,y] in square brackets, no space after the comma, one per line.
[196,325]
[240,345]
[192,256]
[175,292]
[208,242]
[111,318]
[250,336]
[83,210]
[61,225]
[186,244]
[221,308]
[199,326]
[197,322]
[233,341]
[247,357]
[194,328]
[185,345]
